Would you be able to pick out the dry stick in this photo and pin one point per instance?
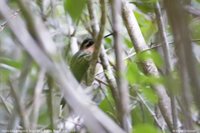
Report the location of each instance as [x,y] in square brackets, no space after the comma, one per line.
[109,75]
[149,66]
[5,105]
[93,18]
[94,118]
[98,42]
[37,98]
[95,29]
[49,98]
[124,116]
[192,10]
[187,64]
[165,47]
[20,108]
[134,53]
[14,120]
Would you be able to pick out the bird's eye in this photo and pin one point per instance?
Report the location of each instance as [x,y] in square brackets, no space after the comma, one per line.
[90,43]
[86,43]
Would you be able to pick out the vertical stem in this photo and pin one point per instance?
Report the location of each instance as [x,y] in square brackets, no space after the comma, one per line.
[178,21]
[93,18]
[98,42]
[168,67]
[120,67]
[37,98]
[50,101]
[150,68]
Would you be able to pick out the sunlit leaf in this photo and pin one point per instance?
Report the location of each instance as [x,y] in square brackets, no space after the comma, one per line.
[133,73]
[145,128]
[128,42]
[147,26]
[150,54]
[108,42]
[150,95]
[146,6]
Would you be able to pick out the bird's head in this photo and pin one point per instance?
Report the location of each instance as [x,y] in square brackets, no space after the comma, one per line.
[87,45]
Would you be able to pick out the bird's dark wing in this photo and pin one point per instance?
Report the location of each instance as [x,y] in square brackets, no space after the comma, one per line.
[79,64]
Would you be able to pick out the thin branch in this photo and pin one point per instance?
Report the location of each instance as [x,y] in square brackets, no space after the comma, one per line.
[86,25]
[168,67]
[101,81]
[37,98]
[123,108]
[192,10]
[94,118]
[20,108]
[109,75]
[98,42]
[49,98]
[104,93]
[149,109]
[5,105]
[187,63]
[93,18]
[149,66]
[134,53]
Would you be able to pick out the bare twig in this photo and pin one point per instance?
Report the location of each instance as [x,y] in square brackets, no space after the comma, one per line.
[50,101]
[134,53]
[98,41]
[93,18]
[168,67]
[37,98]
[193,10]
[5,105]
[122,85]
[149,66]
[187,64]
[20,108]
[95,120]
[85,24]
[109,75]
[149,109]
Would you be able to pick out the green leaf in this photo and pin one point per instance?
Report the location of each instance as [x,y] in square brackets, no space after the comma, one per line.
[10,62]
[145,128]
[146,6]
[128,42]
[140,114]
[108,105]
[108,42]
[195,29]
[147,26]
[74,8]
[150,54]
[133,73]
[43,116]
[150,95]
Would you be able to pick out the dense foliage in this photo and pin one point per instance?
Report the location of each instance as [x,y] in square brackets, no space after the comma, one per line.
[147,71]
